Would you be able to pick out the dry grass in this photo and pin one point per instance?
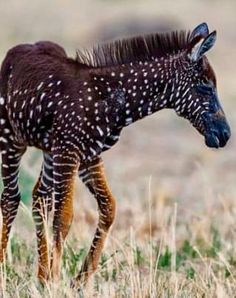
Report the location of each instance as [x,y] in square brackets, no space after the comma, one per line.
[174,234]
[164,255]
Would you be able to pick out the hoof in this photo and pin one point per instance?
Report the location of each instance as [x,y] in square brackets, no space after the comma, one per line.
[43,276]
[77,286]
[2,256]
[42,281]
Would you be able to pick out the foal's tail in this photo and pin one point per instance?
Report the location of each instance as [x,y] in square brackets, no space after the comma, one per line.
[3,110]
[5,72]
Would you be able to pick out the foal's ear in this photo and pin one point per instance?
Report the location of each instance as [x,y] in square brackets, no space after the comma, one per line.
[201,46]
[200,31]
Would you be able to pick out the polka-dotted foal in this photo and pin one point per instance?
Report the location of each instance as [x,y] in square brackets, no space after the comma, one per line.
[74,109]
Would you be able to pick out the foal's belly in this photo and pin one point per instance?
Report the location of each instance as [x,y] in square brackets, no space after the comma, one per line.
[37,138]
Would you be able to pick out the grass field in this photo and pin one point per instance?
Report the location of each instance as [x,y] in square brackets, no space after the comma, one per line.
[175,228]
[164,256]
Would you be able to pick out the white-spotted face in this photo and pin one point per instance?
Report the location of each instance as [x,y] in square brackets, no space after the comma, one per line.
[196,96]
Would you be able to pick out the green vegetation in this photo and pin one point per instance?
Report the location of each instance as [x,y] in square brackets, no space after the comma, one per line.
[133,271]
[26,183]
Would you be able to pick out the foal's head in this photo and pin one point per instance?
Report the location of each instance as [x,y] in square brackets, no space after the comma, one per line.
[198,101]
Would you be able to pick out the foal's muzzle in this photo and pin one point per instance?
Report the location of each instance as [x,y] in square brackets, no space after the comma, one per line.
[217,130]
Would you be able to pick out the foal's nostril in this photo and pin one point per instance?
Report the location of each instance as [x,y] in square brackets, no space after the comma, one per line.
[226,134]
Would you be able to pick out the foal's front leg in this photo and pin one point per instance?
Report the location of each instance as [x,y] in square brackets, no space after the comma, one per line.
[65,167]
[94,178]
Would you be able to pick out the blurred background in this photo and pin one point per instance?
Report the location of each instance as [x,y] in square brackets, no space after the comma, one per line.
[161,158]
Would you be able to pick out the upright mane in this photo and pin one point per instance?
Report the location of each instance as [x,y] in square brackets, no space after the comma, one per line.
[133,49]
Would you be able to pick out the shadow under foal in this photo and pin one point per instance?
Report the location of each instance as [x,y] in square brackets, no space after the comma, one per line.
[74,109]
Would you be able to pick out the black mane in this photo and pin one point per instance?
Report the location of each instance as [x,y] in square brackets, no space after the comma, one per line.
[137,48]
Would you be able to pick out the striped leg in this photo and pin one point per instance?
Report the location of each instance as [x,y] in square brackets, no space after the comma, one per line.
[42,203]
[10,196]
[65,167]
[94,178]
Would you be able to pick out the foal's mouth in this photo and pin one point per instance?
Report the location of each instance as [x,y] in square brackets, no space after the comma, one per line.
[217,131]
[216,139]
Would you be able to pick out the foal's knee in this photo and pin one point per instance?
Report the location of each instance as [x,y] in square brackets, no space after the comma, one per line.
[107,214]
[9,199]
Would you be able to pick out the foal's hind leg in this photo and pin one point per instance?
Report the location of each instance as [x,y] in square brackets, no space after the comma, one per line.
[10,196]
[65,166]
[42,203]
[94,178]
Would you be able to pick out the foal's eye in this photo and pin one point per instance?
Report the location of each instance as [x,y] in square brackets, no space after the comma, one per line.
[205,89]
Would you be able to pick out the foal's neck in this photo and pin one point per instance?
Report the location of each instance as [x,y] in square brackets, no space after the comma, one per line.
[135,90]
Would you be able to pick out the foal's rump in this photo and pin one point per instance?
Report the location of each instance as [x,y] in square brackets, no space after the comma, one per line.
[29,79]
[29,59]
